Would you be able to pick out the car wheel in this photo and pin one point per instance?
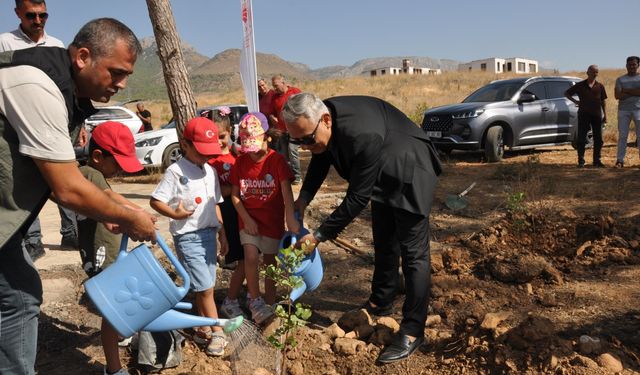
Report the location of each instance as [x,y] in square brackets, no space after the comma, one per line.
[172,154]
[589,144]
[494,144]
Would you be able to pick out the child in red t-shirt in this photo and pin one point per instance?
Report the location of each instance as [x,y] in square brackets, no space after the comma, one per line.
[262,196]
[223,164]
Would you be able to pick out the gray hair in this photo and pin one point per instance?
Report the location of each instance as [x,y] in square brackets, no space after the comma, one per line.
[19,3]
[101,34]
[303,105]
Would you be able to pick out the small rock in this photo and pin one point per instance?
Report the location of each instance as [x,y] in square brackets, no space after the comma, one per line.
[433,320]
[296,368]
[364,331]
[553,362]
[492,320]
[610,362]
[445,335]
[352,319]
[334,331]
[548,300]
[634,244]
[351,335]
[325,347]
[347,346]
[388,322]
[580,360]
[261,371]
[580,250]
[381,336]
[529,288]
[437,264]
[588,344]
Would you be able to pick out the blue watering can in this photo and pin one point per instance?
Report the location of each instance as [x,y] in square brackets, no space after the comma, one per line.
[311,269]
[135,293]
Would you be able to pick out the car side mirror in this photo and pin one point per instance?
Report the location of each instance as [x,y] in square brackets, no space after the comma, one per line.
[526,97]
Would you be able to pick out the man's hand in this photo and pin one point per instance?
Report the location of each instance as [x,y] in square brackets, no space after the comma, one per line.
[224,244]
[83,137]
[141,226]
[309,241]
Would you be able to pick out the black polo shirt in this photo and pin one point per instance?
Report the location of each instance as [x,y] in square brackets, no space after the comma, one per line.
[590,97]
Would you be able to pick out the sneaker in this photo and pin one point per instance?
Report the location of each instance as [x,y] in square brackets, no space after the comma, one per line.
[260,311]
[581,165]
[35,250]
[598,164]
[122,371]
[69,242]
[217,344]
[619,164]
[231,308]
[125,342]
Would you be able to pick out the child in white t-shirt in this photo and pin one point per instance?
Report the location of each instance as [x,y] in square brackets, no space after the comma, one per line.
[189,194]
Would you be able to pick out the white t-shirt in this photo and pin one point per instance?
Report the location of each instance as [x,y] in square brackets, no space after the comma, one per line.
[631,103]
[36,109]
[17,39]
[186,181]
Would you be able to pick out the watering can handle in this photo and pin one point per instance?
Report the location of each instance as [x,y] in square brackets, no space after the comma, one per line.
[467,190]
[172,258]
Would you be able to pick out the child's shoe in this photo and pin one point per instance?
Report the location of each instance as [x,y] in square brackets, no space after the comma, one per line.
[202,337]
[231,308]
[260,311]
[217,344]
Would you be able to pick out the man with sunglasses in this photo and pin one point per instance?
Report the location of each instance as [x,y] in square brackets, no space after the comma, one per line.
[388,160]
[30,33]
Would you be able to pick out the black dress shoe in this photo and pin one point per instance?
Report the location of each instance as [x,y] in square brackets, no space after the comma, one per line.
[400,348]
[378,310]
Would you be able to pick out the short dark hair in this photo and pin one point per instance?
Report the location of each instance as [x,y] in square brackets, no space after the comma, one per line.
[100,35]
[37,2]
[633,58]
[93,145]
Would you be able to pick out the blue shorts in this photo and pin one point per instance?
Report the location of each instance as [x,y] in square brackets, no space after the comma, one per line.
[197,252]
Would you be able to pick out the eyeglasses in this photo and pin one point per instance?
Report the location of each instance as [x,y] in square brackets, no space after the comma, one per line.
[32,15]
[307,140]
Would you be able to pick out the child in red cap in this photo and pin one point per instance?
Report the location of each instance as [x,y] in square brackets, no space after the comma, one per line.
[111,150]
[188,195]
[262,195]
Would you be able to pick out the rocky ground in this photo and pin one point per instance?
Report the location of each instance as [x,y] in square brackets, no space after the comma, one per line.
[538,274]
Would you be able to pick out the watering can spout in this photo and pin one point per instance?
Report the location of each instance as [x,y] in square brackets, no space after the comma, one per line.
[172,319]
[297,292]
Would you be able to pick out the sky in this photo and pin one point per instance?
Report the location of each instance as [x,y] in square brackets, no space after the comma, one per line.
[567,35]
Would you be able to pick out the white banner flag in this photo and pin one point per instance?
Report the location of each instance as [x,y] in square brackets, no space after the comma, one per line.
[248,71]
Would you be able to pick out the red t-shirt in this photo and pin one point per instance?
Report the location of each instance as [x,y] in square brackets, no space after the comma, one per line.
[278,102]
[222,164]
[260,190]
[266,103]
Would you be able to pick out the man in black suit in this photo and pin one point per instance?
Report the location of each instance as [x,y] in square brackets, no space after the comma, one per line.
[389,161]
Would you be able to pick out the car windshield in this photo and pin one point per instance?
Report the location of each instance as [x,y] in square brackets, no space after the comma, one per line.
[494,92]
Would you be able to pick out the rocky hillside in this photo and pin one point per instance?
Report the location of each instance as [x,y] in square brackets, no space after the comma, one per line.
[221,72]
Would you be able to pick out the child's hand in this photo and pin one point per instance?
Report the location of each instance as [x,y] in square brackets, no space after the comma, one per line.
[180,213]
[293,225]
[251,227]
[224,244]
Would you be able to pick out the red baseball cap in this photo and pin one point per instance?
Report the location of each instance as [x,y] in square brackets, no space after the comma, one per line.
[115,138]
[203,133]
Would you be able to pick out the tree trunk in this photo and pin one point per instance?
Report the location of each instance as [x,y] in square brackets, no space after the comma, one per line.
[183,104]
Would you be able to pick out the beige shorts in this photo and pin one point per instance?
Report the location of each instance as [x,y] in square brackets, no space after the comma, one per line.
[266,245]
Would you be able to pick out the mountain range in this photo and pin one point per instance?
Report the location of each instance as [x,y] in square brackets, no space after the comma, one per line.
[221,72]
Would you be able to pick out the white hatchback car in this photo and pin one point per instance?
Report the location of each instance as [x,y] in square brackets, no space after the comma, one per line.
[160,148]
[108,113]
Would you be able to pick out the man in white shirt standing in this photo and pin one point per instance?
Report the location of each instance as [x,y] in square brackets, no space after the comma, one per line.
[30,33]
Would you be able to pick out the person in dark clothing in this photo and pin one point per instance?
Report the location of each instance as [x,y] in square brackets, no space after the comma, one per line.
[591,113]
[389,161]
[144,116]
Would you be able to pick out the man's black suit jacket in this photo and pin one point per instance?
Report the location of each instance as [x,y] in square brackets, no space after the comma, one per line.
[383,155]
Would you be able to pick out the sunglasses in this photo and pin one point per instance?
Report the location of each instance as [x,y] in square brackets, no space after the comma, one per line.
[32,15]
[307,140]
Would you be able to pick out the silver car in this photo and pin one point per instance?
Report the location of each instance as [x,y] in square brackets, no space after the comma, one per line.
[516,113]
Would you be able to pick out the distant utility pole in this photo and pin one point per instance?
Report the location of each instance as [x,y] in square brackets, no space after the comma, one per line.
[183,104]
